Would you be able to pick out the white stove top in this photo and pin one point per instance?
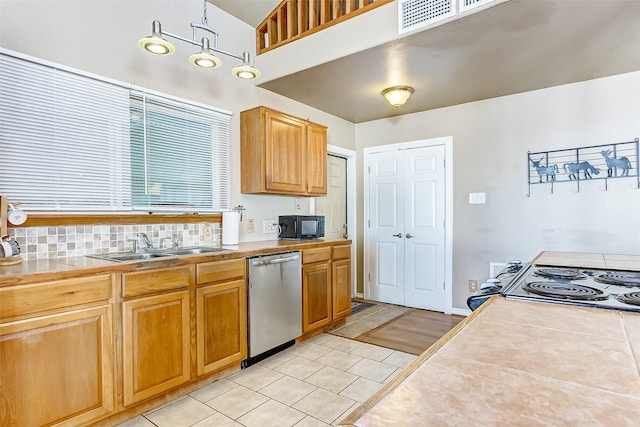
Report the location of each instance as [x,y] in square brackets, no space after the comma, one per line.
[577,286]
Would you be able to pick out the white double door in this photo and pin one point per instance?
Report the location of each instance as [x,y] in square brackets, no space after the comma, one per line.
[406,230]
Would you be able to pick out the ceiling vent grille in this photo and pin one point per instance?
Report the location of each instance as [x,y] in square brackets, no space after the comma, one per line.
[470,4]
[413,14]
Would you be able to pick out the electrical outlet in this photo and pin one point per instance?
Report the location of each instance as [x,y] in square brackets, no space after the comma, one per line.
[251,228]
[473,285]
[269,226]
[207,232]
[297,204]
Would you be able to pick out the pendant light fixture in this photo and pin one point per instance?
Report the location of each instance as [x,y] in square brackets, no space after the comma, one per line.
[204,58]
[397,95]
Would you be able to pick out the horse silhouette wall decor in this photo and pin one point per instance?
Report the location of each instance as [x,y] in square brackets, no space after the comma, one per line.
[573,169]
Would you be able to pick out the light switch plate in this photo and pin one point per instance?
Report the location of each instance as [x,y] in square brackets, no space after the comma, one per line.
[477,198]
[269,225]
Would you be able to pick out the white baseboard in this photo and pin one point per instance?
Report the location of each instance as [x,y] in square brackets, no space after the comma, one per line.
[461,311]
[358,295]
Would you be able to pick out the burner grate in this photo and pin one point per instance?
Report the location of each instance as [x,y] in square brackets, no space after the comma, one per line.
[632,298]
[560,273]
[621,279]
[565,291]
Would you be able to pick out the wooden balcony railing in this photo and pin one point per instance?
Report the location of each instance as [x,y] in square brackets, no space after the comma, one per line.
[294,19]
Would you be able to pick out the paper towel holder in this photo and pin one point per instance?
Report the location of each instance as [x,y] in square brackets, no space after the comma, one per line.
[239,209]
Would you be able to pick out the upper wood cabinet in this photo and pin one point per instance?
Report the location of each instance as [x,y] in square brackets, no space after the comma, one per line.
[282,154]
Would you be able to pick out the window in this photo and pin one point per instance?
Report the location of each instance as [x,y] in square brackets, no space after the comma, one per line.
[175,160]
[80,143]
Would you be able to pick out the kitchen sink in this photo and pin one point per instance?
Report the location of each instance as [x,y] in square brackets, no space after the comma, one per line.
[129,256]
[159,253]
[194,250]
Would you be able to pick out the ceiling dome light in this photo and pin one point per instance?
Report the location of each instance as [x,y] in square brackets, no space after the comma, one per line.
[245,71]
[155,43]
[204,59]
[397,95]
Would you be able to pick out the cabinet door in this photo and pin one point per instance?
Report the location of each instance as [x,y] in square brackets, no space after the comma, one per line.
[221,325]
[57,369]
[316,159]
[316,296]
[155,344]
[341,286]
[285,154]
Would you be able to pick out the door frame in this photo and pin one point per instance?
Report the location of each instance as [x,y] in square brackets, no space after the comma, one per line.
[447,142]
[352,201]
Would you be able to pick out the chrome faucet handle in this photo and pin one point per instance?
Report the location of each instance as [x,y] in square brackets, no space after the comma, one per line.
[163,241]
[135,244]
[145,239]
[176,242]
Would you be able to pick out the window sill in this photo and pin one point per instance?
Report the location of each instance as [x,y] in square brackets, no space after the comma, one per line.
[55,220]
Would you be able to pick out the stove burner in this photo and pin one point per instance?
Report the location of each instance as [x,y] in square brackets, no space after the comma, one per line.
[622,279]
[632,298]
[560,273]
[565,291]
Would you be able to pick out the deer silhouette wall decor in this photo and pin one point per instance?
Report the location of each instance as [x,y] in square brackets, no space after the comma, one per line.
[613,162]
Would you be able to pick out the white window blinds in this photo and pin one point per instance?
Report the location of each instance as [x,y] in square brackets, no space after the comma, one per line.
[179,154]
[61,139]
[73,142]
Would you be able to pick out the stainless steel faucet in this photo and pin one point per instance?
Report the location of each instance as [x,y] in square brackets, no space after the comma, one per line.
[163,242]
[145,240]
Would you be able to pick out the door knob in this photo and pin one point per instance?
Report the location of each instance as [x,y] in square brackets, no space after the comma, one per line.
[399,235]
[409,236]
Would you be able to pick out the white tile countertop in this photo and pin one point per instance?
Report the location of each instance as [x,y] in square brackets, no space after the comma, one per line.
[519,363]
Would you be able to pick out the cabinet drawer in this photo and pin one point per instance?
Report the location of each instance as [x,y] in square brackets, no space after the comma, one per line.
[341,252]
[316,255]
[216,271]
[27,299]
[147,281]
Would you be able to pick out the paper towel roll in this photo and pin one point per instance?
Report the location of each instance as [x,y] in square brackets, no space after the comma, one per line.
[230,228]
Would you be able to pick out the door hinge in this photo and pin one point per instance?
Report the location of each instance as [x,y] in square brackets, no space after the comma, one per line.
[368,223]
[369,277]
[444,285]
[444,163]
[368,169]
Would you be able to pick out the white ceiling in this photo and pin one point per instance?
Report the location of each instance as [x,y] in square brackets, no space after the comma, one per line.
[517,46]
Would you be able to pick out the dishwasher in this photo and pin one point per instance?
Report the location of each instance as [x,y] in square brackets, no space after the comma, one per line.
[275,304]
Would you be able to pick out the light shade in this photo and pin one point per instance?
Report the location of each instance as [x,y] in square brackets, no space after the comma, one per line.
[245,71]
[397,95]
[155,43]
[204,59]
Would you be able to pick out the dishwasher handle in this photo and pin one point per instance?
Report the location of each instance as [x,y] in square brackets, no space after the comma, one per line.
[280,260]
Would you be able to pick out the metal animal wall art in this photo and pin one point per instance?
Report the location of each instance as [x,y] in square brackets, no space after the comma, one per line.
[548,171]
[573,169]
[614,162]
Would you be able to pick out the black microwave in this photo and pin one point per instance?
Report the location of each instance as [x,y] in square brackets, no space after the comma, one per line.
[301,226]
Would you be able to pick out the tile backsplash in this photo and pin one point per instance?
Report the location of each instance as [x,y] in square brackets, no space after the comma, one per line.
[55,242]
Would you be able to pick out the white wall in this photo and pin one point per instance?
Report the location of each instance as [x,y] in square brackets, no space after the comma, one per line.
[491,139]
[101,37]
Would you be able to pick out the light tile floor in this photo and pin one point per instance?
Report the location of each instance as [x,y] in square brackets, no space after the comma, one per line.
[315,383]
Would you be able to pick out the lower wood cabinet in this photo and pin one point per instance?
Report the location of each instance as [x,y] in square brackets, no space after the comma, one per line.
[316,295]
[156,344]
[57,369]
[341,287]
[221,325]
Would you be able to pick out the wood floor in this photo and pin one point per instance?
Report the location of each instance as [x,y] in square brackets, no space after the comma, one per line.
[412,332]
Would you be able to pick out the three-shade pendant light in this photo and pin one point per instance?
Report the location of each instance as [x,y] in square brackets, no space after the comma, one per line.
[204,58]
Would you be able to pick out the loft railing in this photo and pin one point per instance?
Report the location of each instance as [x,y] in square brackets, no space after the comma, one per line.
[294,19]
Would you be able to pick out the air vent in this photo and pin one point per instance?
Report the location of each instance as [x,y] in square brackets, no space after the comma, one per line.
[413,14]
[470,4]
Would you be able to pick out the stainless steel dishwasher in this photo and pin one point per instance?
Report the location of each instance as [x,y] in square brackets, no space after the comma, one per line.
[275,303]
